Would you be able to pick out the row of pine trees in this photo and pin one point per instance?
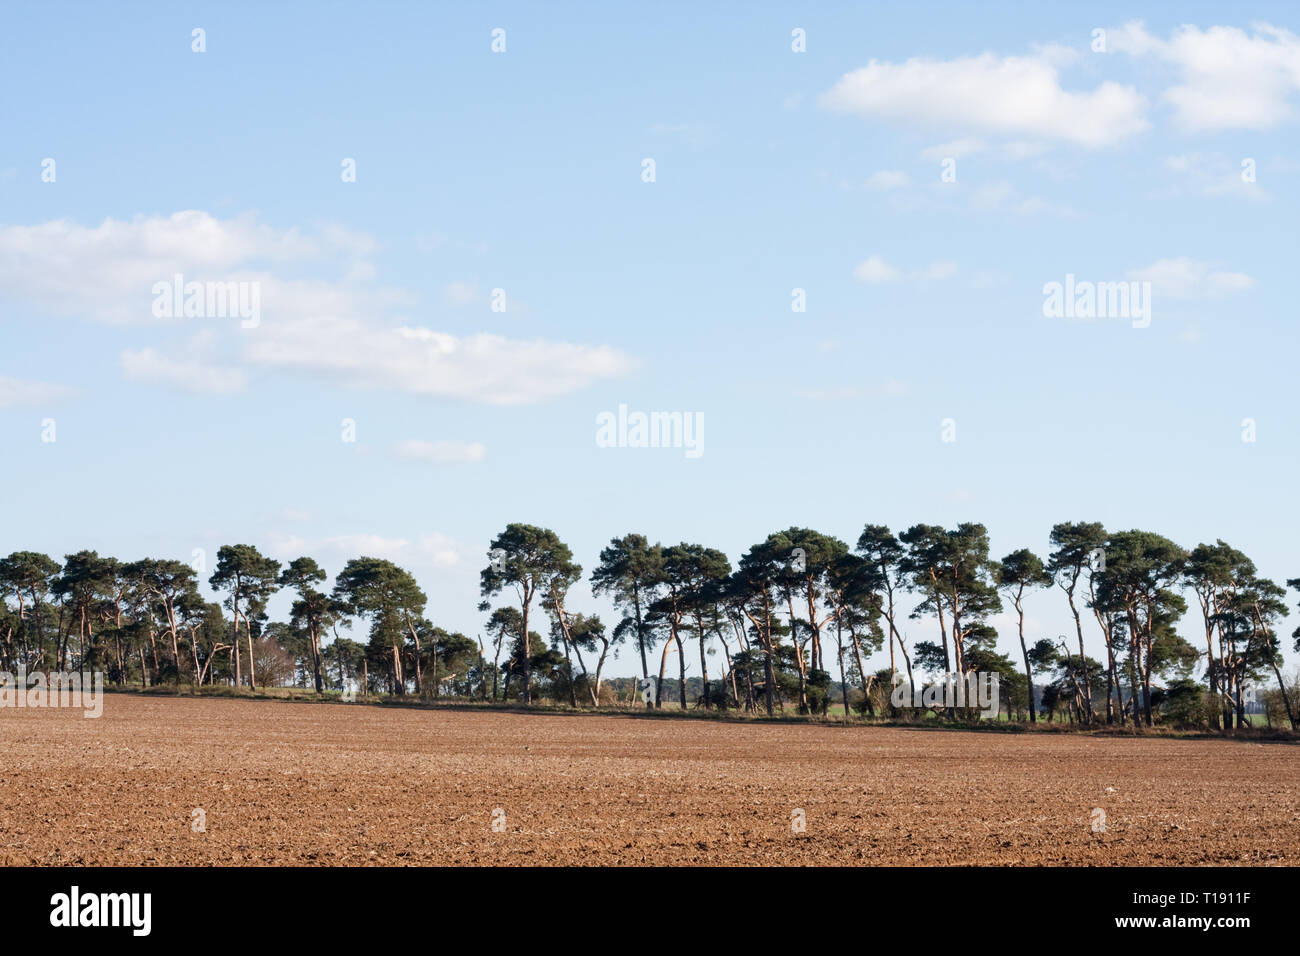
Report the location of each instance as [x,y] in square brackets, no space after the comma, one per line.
[795,620]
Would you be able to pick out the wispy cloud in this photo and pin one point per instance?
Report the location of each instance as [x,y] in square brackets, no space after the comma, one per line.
[192,368]
[887,179]
[1184,278]
[439,452]
[1001,196]
[875,269]
[1212,175]
[462,293]
[16,391]
[934,271]
[344,329]
[436,549]
[955,149]
[489,369]
[107,272]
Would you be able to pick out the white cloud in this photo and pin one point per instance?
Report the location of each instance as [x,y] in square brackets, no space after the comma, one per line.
[107,272]
[191,368]
[1003,196]
[435,549]
[875,269]
[991,195]
[1022,149]
[439,452]
[15,391]
[1213,175]
[1184,278]
[461,293]
[341,327]
[1228,79]
[480,368]
[935,270]
[1012,150]
[1015,96]
[1038,206]
[953,150]
[888,179]
[1057,54]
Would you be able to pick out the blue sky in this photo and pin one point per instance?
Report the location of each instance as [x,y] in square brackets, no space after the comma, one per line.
[522,171]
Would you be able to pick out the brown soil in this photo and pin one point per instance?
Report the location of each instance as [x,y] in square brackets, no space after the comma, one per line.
[286,783]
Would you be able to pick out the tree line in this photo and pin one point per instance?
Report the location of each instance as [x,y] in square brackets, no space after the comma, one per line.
[796,620]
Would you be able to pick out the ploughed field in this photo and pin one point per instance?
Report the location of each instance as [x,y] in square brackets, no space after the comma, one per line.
[295,783]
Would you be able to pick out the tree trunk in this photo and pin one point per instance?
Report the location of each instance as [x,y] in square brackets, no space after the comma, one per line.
[399,681]
[1112,682]
[1210,671]
[1133,683]
[1083,659]
[681,668]
[857,655]
[496,668]
[730,676]
[528,651]
[252,663]
[600,667]
[893,633]
[1146,682]
[419,670]
[315,655]
[798,654]
[1029,674]
[844,683]
[943,627]
[568,659]
[640,637]
[704,666]
[234,607]
[768,678]
[1286,699]
[663,666]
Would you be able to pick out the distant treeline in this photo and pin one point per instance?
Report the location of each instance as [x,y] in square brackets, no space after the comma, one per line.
[795,621]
